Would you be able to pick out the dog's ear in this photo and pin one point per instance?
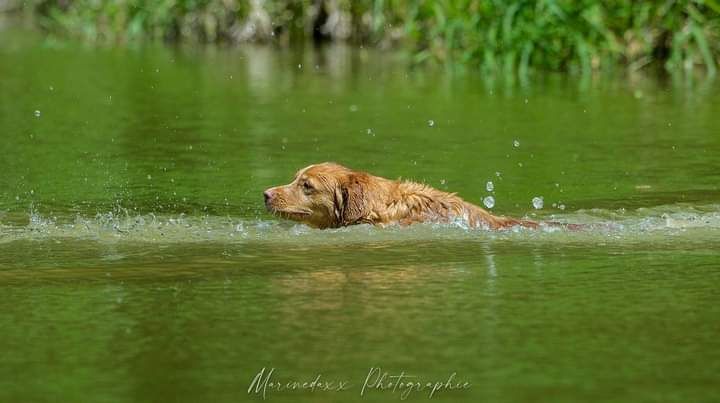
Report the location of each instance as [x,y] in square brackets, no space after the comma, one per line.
[338,205]
[351,200]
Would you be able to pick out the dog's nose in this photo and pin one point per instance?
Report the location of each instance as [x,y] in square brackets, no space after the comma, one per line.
[268,195]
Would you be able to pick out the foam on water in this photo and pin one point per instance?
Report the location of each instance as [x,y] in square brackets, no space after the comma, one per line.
[664,224]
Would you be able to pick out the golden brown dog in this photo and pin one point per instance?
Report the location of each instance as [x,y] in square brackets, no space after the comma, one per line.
[329,195]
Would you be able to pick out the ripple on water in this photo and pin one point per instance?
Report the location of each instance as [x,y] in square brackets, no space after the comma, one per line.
[696,223]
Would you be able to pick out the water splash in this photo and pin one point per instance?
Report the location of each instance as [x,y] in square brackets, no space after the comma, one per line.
[489,202]
[537,202]
[658,224]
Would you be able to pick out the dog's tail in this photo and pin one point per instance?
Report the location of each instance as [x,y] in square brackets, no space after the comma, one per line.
[566,226]
[507,222]
[481,217]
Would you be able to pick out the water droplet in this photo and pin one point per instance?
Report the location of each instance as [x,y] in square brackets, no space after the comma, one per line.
[431,123]
[37,114]
[442,181]
[149,177]
[516,143]
[353,108]
[370,131]
[498,174]
[52,88]
[489,186]
[489,202]
[526,100]
[561,206]
[299,66]
[537,202]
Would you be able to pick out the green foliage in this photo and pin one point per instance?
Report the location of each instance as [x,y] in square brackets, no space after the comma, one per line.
[507,35]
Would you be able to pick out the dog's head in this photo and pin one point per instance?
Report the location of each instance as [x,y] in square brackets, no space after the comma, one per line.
[324,195]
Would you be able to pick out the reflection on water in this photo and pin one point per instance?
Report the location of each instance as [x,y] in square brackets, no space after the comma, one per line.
[514,317]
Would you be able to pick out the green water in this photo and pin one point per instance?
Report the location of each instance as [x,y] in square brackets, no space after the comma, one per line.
[137,262]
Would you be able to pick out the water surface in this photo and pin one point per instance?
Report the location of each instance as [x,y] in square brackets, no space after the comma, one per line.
[137,262]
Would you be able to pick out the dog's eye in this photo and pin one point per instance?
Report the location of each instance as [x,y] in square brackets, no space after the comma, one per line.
[307,187]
